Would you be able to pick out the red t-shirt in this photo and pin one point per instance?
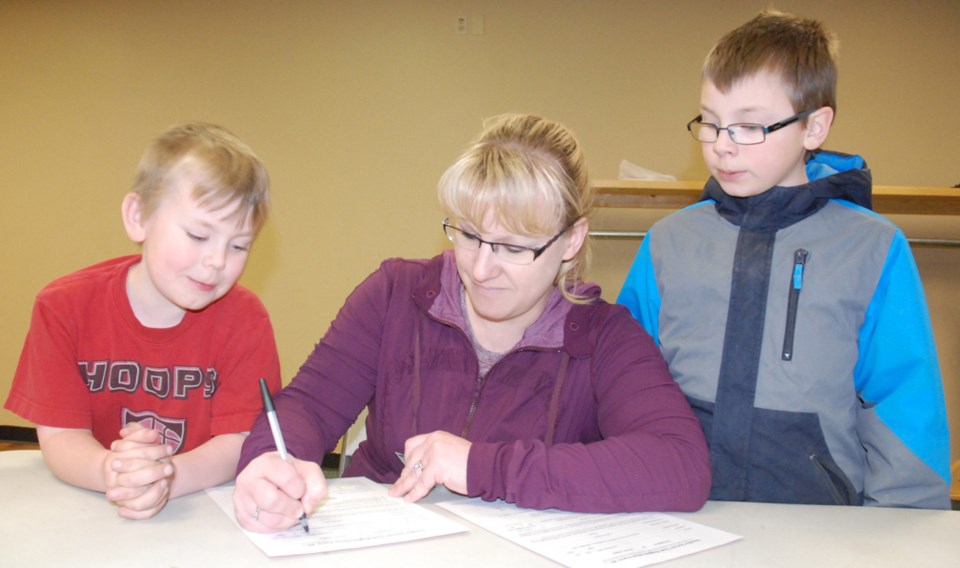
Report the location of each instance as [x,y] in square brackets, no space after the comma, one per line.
[88,363]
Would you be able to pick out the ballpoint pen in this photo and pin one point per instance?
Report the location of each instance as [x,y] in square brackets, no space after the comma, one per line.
[278,436]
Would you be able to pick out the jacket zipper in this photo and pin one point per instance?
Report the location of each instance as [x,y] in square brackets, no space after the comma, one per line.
[474,403]
[481,382]
[800,257]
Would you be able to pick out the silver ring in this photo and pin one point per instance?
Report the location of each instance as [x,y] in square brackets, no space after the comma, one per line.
[256,514]
[418,466]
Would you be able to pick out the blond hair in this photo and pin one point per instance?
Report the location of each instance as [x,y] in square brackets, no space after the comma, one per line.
[530,173]
[800,51]
[224,169]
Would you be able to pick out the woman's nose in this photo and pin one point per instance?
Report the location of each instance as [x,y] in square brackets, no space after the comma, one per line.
[485,263]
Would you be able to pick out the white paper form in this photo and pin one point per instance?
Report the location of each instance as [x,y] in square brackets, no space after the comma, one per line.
[358,513]
[626,540]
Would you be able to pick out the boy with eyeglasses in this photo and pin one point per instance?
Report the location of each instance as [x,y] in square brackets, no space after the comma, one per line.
[792,316]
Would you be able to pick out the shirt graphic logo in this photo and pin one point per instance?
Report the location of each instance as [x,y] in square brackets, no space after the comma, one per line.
[172,430]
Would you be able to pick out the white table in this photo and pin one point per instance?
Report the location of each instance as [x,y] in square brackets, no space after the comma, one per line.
[45,522]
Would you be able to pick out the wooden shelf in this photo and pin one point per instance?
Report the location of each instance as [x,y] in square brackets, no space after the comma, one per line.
[677,194]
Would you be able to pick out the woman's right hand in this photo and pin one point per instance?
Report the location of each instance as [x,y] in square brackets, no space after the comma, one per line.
[271,493]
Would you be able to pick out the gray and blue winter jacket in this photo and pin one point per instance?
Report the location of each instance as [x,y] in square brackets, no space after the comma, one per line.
[795,322]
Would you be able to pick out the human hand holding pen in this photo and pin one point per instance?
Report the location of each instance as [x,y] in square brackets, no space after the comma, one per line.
[266,491]
[277,437]
[272,494]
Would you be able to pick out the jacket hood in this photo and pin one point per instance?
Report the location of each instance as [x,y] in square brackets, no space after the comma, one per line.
[833,176]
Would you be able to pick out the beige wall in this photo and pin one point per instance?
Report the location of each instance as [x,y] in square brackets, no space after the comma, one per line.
[357,107]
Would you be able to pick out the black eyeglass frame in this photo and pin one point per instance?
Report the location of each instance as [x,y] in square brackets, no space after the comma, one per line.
[765,129]
[493,245]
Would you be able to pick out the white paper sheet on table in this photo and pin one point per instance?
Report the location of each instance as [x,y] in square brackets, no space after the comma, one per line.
[357,514]
[626,540]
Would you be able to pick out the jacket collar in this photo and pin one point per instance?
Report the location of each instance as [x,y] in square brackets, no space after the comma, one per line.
[780,207]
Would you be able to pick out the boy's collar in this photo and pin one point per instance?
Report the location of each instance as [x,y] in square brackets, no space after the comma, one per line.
[780,207]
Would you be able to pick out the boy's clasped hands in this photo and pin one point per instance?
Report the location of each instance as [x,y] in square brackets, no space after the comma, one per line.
[138,472]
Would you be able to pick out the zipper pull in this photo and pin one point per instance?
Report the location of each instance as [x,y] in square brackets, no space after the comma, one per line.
[800,257]
[799,260]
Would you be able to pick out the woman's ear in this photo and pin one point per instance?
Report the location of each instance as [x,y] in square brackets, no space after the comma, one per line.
[818,127]
[578,233]
[133,219]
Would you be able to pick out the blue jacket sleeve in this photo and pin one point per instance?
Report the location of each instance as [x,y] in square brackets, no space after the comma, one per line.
[898,379]
[639,293]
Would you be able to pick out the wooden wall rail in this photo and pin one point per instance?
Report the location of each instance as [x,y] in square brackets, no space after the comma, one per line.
[677,194]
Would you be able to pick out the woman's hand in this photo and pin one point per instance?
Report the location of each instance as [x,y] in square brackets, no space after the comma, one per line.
[271,494]
[431,459]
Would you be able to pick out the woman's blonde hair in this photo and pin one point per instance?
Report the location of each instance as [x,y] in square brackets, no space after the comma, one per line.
[224,169]
[531,174]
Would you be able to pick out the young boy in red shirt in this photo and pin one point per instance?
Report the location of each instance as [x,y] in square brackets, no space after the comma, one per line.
[141,371]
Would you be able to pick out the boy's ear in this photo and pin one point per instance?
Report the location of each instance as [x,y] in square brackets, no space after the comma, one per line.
[132,212]
[818,127]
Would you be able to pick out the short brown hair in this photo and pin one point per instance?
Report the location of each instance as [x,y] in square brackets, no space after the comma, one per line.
[801,51]
[530,172]
[226,170]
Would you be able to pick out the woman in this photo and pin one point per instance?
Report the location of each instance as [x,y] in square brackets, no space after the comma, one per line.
[492,369]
